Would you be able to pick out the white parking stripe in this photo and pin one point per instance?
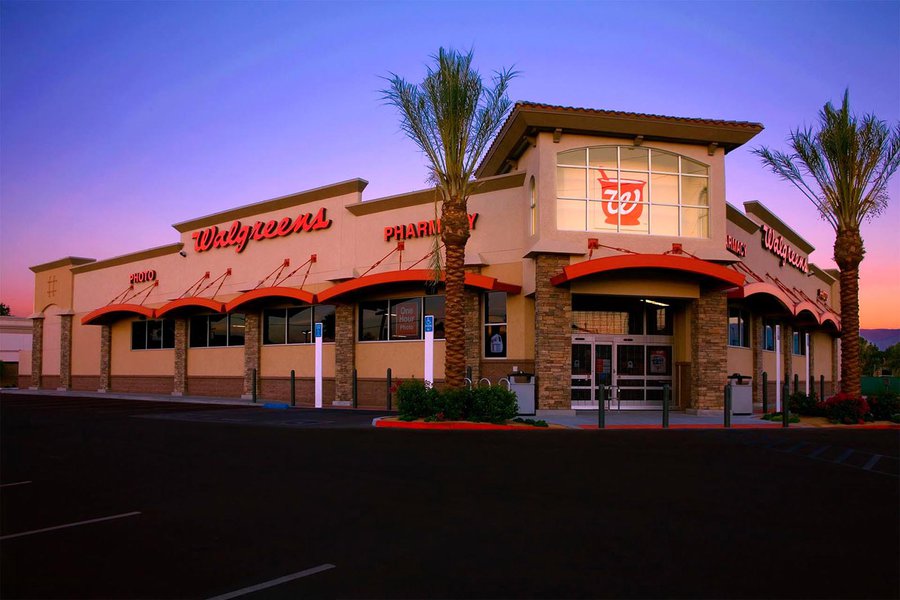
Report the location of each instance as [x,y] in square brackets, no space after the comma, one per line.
[67,525]
[871,462]
[3,485]
[273,582]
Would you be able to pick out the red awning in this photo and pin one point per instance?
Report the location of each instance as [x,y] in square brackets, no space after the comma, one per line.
[271,292]
[114,312]
[482,282]
[685,264]
[188,303]
[762,287]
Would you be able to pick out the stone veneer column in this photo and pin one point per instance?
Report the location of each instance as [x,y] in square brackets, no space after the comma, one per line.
[65,352]
[787,351]
[344,353]
[552,335]
[181,343]
[37,351]
[105,357]
[474,328]
[251,353]
[709,352]
[756,346]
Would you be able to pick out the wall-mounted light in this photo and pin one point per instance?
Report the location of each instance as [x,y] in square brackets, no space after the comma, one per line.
[182,253]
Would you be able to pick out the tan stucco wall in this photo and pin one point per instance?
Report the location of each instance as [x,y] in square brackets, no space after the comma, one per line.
[740,360]
[215,361]
[86,338]
[24,362]
[630,285]
[125,361]
[278,360]
[405,359]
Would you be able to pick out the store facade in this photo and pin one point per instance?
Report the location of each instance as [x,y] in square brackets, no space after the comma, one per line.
[603,255]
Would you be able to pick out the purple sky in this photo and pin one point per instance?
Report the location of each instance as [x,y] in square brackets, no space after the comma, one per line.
[119,119]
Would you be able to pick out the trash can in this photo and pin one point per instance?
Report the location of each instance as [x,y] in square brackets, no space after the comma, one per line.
[522,385]
[741,394]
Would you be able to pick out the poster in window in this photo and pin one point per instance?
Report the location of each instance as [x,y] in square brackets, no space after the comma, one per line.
[407,320]
[658,362]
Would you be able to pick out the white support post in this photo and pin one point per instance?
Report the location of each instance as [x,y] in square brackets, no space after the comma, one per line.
[778,359]
[429,349]
[807,363]
[318,365]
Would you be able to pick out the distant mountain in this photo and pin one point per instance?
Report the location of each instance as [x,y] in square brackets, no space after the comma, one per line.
[882,338]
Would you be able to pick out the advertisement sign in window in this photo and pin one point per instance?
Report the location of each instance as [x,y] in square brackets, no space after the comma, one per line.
[407,323]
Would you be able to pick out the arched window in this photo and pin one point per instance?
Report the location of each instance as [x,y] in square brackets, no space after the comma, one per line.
[533,207]
[632,189]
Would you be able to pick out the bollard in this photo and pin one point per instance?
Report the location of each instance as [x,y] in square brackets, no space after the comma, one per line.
[821,388]
[469,373]
[355,391]
[389,389]
[666,392]
[253,387]
[765,392]
[601,407]
[796,383]
[785,407]
[727,406]
[293,389]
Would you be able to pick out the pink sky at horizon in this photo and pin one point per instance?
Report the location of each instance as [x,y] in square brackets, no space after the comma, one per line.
[121,119]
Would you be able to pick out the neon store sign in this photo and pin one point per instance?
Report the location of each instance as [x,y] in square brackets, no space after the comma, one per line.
[238,235]
[420,229]
[777,245]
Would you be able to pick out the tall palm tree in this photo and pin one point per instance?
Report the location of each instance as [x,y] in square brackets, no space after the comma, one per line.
[452,117]
[843,168]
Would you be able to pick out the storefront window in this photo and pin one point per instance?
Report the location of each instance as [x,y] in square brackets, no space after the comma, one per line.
[768,341]
[208,331]
[295,325]
[632,190]
[799,342]
[400,319]
[738,327]
[152,334]
[495,325]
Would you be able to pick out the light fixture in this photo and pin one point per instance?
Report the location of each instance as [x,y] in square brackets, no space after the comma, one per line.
[654,302]
[182,253]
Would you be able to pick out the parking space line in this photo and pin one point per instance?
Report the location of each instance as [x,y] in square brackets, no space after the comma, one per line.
[273,582]
[843,456]
[871,462]
[67,525]
[818,451]
[4,485]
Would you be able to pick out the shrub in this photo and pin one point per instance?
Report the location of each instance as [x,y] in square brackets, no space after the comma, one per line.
[413,399]
[493,404]
[844,408]
[884,406]
[454,403]
[802,404]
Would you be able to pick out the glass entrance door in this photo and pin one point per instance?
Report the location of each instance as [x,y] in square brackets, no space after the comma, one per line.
[632,373]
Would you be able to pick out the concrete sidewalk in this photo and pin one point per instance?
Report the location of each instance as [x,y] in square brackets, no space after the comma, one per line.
[581,420]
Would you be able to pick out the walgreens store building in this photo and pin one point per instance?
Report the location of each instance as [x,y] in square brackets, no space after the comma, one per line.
[603,253]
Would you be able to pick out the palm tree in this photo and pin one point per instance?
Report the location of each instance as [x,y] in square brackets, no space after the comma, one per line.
[843,168]
[452,117]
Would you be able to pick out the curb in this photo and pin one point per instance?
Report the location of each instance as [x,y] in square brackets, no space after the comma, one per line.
[452,426]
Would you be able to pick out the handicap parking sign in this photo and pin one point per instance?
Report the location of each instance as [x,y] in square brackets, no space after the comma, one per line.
[318,330]
[429,324]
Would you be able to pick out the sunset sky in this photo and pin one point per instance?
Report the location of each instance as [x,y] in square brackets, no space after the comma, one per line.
[119,119]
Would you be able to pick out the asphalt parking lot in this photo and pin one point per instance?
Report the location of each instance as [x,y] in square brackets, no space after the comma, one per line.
[106,498]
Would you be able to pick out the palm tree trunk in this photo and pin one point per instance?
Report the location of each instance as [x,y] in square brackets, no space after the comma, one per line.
[455,233]
[848,254]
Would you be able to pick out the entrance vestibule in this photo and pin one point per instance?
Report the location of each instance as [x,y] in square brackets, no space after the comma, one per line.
[623,345]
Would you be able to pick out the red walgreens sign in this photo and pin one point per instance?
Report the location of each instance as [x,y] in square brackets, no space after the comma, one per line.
[239,235]
[621,200]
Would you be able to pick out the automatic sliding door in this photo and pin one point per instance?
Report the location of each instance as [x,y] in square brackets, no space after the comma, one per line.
[582,396]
